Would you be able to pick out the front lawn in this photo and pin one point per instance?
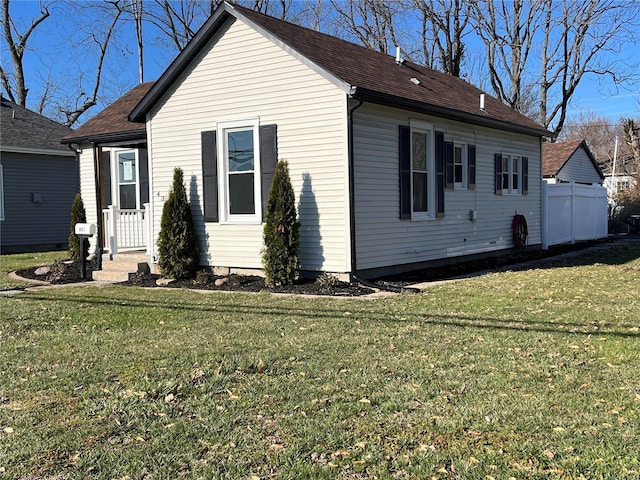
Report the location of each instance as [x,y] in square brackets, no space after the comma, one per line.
[528,374]
[10,263]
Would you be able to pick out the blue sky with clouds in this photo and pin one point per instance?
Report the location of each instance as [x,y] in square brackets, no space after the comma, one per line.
[59,49]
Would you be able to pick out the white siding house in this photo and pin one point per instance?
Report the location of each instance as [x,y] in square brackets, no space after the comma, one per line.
[394,165]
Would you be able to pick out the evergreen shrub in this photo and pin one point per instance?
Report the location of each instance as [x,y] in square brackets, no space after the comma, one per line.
[178,248]
[281,230]
[78,215]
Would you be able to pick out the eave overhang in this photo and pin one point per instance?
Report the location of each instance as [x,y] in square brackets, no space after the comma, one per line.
[451,114]
[138,136]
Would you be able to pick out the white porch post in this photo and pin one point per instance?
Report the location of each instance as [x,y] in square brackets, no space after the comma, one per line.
[147,228]
[113,231]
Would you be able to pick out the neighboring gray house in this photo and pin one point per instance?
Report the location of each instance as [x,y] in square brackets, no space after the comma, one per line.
[395,166]
[564,162]
[38,181]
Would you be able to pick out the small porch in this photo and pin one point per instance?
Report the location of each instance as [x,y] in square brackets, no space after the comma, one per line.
[126,248]
[126,230]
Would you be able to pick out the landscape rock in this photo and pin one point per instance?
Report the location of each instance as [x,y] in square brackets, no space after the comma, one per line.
[42,270]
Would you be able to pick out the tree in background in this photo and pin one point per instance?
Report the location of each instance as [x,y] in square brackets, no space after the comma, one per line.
[536,53]
[178,248]
[78,215]
[281,230]
[444,26]
[60,102]
[562,40]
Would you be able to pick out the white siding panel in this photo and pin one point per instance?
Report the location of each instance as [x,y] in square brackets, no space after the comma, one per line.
[242,75]
[88,190]
[383,239]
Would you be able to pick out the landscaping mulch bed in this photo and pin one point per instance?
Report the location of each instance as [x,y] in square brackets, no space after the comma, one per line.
[62,272]
[251,283]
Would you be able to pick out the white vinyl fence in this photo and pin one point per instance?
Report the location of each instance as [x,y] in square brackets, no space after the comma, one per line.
[573,212]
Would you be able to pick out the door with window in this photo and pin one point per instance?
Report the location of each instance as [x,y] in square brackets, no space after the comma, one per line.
[129,194]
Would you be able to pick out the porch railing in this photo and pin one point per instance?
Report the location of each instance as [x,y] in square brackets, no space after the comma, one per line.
[126,229]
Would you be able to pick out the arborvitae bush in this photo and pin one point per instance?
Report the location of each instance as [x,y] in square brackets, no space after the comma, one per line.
[178,248]
[78,215]
[281,231]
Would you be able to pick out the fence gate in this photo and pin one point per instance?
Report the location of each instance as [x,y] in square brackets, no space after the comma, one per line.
[573,212]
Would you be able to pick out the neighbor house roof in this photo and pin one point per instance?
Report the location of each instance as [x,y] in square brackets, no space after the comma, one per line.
[556,155]
[24,131]
[112,124]
[360,72]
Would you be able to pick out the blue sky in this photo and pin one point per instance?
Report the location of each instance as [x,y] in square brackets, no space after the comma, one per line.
[58,51]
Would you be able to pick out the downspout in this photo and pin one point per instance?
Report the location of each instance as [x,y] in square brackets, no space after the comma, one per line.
[352,215]
[352,195]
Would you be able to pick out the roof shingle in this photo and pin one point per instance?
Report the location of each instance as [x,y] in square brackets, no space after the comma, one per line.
[24,129]
[555,155]
[112,122]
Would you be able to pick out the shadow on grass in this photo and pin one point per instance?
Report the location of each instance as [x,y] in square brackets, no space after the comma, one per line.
[611,254]
[427,318]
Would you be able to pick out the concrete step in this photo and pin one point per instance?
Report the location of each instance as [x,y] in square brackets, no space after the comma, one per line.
[110,276]
[137,257]
[119,268]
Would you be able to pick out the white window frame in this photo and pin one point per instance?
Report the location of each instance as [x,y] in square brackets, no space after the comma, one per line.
[1,195]
[115,175]
[223,172]
[426,128]
[512,160]
[464,165]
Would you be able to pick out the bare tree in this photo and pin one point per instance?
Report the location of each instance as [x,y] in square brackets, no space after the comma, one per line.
[578,43]
[179,20]
[443,26]
[600,134]
[507,29]
[370,22]
[576,38]
[98,39]
[632,139]
[16,43]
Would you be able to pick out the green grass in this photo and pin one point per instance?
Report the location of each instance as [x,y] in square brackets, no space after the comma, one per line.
[529,374]
[10,263]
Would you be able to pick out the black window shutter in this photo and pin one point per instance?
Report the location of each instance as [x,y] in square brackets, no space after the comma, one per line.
[525,176]
[497,160]
[471,165]
[405,171]
[106,175]
[448,159]
[209,176]
[440,180]
[268,160]
[144,176]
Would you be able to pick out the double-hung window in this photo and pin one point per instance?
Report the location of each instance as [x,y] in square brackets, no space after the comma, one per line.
[460,165]
[239,171]
[510,174]
[422,171]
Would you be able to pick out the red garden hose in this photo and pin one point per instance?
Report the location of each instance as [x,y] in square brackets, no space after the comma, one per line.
[520,231]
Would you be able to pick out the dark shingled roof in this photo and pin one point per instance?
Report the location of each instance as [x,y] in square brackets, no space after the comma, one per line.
[21,128]
[371,75]
[556,155]
[111,124]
